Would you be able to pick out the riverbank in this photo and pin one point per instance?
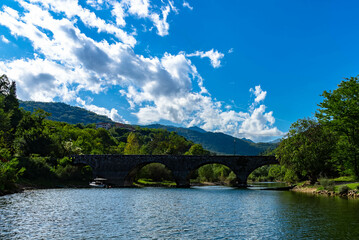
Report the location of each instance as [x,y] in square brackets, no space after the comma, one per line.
[23,185]
[319,190]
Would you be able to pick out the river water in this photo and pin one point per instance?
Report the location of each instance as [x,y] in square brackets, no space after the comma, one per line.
[159,213]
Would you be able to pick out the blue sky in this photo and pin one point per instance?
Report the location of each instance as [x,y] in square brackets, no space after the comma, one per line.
[245,68]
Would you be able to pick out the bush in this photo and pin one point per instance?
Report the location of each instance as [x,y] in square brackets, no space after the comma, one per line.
[327,184]
[156,172]
[36,167]
[9,172]
[344,189]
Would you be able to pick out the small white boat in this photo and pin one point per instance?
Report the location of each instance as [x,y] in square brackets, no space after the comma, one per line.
[98,183]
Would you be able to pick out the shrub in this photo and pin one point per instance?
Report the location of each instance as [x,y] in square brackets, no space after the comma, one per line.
[343,189]
[36,167]
[327,184]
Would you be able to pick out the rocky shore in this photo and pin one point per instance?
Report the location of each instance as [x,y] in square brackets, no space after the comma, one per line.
[313,190]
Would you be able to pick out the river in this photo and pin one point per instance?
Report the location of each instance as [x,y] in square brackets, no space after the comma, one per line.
[164,213]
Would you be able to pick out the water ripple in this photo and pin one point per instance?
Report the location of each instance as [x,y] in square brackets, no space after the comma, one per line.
[155,213]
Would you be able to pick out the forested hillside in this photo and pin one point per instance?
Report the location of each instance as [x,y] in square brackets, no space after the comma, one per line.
[62,112]
[219,142]
[215,142]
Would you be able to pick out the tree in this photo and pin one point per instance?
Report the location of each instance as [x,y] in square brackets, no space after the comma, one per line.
[4,85]
[32,137]
[339,111]
[133,144]
[197,149]
[306,151]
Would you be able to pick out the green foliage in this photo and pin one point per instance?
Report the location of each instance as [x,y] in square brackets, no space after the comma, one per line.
[65,171]
[260,174]
[339,111]
[327,184]
[10,114]
[343,189]
[9,173]
[197,149]
[291,176]
[133,144]
[156,172]
[277,173]
[62,112]
[344,179]
[155,142]
[214,173]
[306,151]
[36,167]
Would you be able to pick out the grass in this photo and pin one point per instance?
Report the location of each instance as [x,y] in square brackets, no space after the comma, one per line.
[150,182]
[301,184]
[351,186]
[345,179]
[338,183]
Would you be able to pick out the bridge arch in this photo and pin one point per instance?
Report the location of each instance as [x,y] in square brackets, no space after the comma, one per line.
[130,178]
[210,163]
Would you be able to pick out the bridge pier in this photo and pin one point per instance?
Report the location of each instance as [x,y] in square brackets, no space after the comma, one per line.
[241,181]
[181,179]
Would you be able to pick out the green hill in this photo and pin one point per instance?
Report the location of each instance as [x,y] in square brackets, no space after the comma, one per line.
[65,113]
[219,142]
[215,142]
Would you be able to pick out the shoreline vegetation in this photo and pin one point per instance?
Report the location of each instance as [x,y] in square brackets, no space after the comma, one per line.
[352,193]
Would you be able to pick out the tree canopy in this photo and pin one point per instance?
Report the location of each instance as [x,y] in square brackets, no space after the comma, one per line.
[307,149]
[339,112]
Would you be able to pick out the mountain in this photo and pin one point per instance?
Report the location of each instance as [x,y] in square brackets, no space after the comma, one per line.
[215,142]
[65,113]
[276,140]
[218,142]
[197,129]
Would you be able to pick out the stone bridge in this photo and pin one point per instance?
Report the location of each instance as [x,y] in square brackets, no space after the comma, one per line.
[121,170]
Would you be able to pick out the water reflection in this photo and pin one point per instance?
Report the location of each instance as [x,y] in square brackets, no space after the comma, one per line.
[155,213]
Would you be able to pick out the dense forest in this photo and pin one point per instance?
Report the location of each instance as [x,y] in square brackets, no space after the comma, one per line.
[62,112]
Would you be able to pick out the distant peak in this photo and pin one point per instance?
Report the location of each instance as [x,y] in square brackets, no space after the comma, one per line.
[248,140]
[197,129]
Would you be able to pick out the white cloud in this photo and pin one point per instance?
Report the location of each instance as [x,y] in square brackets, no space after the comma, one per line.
[4,39]
[72,9]
[231,50]
[97,4]
[214,56]
[119,13]
[67,62]
[186,4]
[138,7]
[112,114]
[161,24]
[258,125]
[143,9]
[259,93]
